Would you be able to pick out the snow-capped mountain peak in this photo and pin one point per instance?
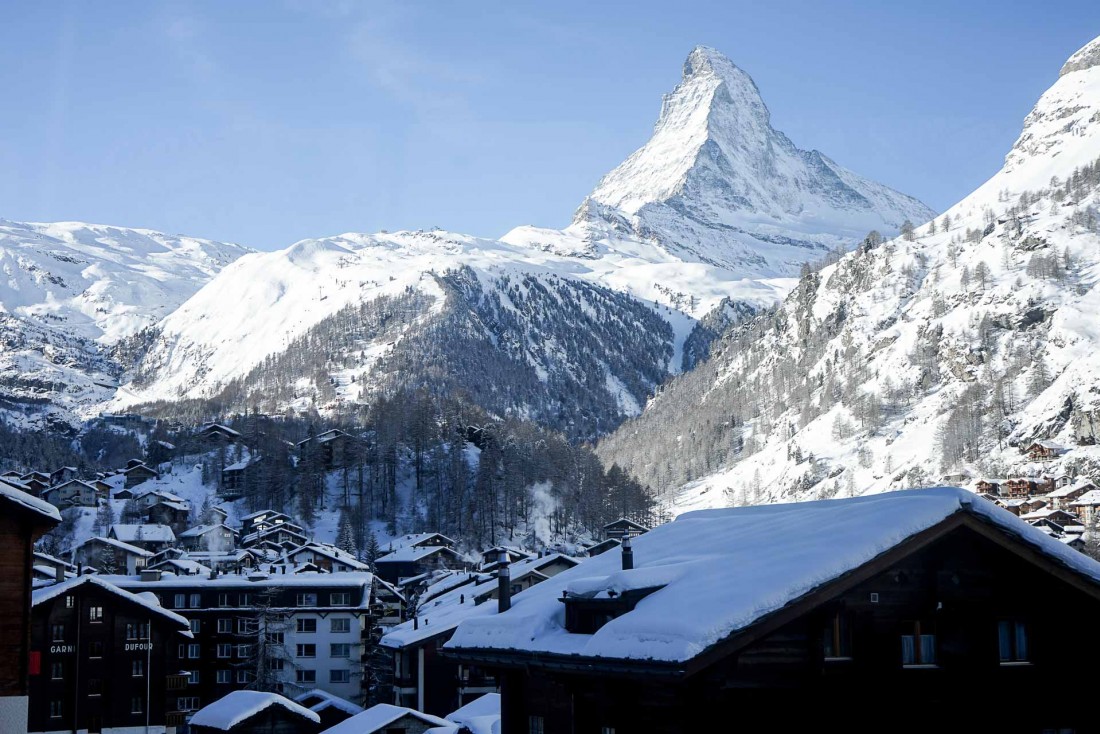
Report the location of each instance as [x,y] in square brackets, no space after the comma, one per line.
[1086,57]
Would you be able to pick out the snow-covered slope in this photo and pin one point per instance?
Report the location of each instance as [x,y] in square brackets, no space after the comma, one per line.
[718,184]
[911,360]
[69,292]
[717,211]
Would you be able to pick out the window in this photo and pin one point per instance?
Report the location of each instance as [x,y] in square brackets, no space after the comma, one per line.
[137,705]
[57,671]
[306,600]
[340,625]
[306,651]
[95,687]
[57,633]
[137,631]
[225,676]
[137,668]
[225,650]
[607,730]
[339,650]
[193,677]
[247,626]
[193,650]
[837,638]
[919,648]
[274,638]
[276,664]
[95,649]
[196,601]
[305,676]
[244,676]
[341,599]
[180,601]
[307,625]
[338,676]
[245,600]
[1012,641]
[225,625]
[244,651]
[195,626]
[131,631]
[70,602]
[55,709]
[536,725]
[95,614]
[223,600]
[187,703]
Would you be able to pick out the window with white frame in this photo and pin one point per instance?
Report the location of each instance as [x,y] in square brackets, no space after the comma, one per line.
[338,676]
[918,645]
[339,624]
[339,650]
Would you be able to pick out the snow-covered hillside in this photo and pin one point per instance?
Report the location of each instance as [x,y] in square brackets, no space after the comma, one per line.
[717,211]
[915,360]
[69,292]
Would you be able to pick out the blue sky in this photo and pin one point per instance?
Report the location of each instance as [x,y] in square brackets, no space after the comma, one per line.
[266,122]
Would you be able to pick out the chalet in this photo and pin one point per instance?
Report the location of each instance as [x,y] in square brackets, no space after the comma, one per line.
[214,515]
[64,474]
[232,561]
[1087,507]
[48,567]
[1044,450]
[36,480]
[180,567]
[602,547]
[110,555]
[146,500]
[1015,505]
[327,558]
[152,538]
[749,609]
[176,515]
[99,659]
[1018,487]
[254,712]
[217,433]
[387,719]
[415,560]
[986,486]
[263,520]
[491,559]
[123,494]
[1062,497]
[73,493]
[426,680]
[623,528]
[235,476]
[137,472]
[1061,517]
[23,520]
[282,537]
[332,709]
[333,448]
[209,538]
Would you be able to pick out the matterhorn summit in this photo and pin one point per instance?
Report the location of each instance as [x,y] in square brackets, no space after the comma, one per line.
[717,183]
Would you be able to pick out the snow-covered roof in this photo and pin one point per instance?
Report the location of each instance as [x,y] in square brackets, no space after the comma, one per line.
[265,513]
[382,715]
[1090,498]
[719,571]
[327,700]
[480,716]
[219,428]
[140,533]
[624,521]
[1042,514]
[186,565]
[28,502]
[416,539]
[1066,491]
[413,553]
[1049,445]
[118,544]
[203,530]
[329,552]
[234,708]
[149,601]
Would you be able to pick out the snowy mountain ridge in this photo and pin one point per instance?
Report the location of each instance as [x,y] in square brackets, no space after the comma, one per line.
[935,358]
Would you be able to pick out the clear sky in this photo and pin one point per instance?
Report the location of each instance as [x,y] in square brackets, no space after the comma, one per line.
[265,122]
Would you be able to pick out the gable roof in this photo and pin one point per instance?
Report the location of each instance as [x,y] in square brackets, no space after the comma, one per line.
[204,529]
[238,706]
[114,542]
[27,503]
[148,533]
[330,552]
[319,700]
[381,715]
[624,522]
[148,601]
[707,593]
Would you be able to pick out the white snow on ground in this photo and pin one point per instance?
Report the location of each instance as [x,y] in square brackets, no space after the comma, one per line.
[706,591]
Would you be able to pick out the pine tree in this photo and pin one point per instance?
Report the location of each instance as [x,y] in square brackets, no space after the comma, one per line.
[345,538]
[373,551]
[907,231]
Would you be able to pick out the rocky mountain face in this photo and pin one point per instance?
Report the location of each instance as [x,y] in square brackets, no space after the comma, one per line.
[71,293]
[913,361]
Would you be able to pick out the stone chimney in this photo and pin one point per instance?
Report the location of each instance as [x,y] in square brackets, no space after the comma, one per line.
[628,554]
[504,584]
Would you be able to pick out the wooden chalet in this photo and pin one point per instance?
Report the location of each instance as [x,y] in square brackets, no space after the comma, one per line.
[153,538]
[1044,450]
[99,659]
[217,537]
[35,481]
[254,712]
[218,433]
[137,472]
[23,520]
[330,708]
[933,606]
[64,474]
[327,558]
[174,514]
[416,560]
[264,520]
[73,493]
[388,719]
[985,486]
[1087,506]
[333,447]
[1061,498]
[110,555]
[1018,487]
[282,537]
[602,547]
[623,528]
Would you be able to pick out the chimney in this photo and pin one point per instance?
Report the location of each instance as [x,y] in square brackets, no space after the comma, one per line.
[416,623]
[59,574]
[628,554]
[504,584]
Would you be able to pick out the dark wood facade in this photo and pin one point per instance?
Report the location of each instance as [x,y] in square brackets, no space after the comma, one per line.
[912,642]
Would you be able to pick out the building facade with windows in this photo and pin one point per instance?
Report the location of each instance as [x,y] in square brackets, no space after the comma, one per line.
[904,612]
[296,631]
[100,659]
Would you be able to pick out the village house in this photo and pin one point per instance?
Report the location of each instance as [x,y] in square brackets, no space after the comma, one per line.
[64,474]
[73,493]
[494,557]
[137,472]
[1018,487]
[218,537]
[748,609]
[623,528]
[986,486]
[414,560]
[99,661]
[110,555]
[174,514]
[602,547]
[254,712]
[1062,497]
[281,538]
[327,558]
[23,520]
[265,520]
[387,719]
[331,709]
[333,448]
[152,538]
[217,433]
[1044,450]
[1086,506]
[35,481]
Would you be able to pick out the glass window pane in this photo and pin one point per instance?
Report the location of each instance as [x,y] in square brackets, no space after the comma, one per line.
[1004,640]
[1021,641]
[908,650]
[928,649]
